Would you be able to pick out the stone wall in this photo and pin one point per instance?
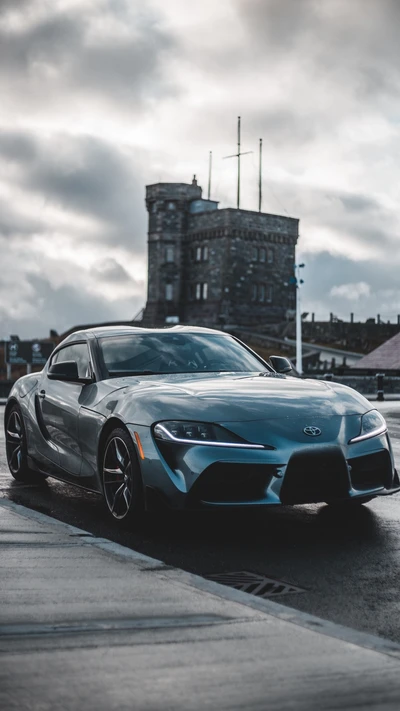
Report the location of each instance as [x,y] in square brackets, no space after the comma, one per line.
[250,262]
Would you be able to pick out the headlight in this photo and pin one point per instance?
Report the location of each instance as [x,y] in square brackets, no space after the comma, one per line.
[372,424]
[200,433]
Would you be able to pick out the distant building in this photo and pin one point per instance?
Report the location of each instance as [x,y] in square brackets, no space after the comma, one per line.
[209,266]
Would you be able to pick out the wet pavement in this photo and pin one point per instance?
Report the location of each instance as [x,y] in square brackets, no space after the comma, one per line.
[348,566]
[88,624]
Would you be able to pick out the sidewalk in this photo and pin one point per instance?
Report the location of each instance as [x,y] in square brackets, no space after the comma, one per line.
[88,624]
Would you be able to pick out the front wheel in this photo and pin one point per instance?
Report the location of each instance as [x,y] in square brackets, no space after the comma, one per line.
[16,449]
[121,479]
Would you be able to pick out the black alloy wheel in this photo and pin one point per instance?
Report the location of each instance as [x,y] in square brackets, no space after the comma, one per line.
[121,479]
[16,449]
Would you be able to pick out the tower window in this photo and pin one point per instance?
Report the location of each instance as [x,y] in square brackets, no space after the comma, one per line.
[269,292]
[270,255]
[254,292]
[254,254]
[201,291]
[262,254]
[261,292]
[205,253]
[198,254]
[171,206]
[169,254]
[169,292]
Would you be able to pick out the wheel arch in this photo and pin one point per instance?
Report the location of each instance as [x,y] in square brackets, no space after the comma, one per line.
[111,424]
[10,403]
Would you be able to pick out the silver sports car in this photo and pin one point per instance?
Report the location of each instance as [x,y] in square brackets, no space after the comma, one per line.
[192,418]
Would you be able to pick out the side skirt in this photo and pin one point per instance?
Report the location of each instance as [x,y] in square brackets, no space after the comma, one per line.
[86,483]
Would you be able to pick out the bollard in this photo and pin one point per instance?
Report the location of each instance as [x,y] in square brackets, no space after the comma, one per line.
[379,386]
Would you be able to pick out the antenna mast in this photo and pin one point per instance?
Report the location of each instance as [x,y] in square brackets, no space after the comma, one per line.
[260,179]
[237,155]
[209,174]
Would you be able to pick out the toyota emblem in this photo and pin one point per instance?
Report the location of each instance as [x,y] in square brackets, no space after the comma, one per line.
[312,431]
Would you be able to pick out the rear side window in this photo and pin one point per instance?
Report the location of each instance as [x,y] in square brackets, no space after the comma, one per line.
[79,353]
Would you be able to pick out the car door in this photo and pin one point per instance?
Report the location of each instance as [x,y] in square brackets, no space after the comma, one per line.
[60,403]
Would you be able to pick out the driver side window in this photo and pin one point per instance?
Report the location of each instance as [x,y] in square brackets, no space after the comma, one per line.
[77,352]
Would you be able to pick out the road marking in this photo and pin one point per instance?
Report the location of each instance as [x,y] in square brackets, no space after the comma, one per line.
[90,626]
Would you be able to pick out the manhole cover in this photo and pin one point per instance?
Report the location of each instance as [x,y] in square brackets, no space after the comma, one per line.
[254,584]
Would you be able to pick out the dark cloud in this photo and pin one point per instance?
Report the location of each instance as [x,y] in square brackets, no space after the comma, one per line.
[85,176]
[304,74]
[280,23]
[359,203]
[64,55]
[61,308]
[354,42]
[16,146]
[324,271]
[346,214]
[110,270]
[60,179]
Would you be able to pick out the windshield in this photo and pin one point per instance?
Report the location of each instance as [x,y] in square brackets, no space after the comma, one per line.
[156,353]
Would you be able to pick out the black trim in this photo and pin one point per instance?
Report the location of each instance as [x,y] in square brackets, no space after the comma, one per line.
[69,478]
[88,342]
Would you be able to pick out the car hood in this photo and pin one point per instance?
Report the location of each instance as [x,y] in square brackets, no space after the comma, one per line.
[231,397]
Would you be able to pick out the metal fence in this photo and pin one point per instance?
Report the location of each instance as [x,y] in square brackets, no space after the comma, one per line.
[380,384]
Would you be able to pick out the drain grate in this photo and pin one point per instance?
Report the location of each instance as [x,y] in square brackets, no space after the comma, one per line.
[254,584]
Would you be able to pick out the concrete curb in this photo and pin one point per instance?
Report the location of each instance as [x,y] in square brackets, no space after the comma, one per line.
[178,576]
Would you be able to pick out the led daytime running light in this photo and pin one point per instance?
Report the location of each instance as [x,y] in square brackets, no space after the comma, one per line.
[372,425]
[208,443]
[373,433]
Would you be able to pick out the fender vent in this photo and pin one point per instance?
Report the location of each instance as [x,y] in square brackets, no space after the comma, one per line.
[254,584]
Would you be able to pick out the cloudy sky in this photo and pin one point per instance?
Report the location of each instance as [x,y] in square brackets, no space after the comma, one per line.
[101,97]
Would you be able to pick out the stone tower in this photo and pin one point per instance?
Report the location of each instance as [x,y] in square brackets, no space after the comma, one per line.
[167,205]
[211,267]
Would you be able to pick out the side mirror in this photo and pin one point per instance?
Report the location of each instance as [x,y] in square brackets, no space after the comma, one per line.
[280,364]
[67,371]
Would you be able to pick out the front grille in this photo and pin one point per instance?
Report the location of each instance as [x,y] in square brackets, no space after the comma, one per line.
[371,471]
[315,475]
[232,483]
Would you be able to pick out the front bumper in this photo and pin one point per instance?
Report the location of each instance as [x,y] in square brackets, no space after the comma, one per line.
[201,476]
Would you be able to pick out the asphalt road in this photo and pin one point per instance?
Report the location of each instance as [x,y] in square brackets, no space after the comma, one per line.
[347,565]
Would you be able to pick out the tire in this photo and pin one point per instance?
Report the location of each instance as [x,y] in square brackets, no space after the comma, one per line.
[121,479]
[16,449]
[348,504]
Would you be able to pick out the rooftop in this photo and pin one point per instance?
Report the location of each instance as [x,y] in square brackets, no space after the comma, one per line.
[386,356]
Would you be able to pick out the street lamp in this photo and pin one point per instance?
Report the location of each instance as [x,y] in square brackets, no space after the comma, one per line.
[299,352]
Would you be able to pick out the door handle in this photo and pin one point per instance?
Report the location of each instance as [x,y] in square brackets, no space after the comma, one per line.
[42,394]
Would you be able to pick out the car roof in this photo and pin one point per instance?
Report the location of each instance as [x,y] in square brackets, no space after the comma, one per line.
[108,331]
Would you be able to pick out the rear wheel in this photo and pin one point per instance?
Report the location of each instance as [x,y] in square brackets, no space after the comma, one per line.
[121,479]
[16,449]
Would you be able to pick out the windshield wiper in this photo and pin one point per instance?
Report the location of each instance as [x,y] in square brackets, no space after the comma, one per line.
[123,373]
